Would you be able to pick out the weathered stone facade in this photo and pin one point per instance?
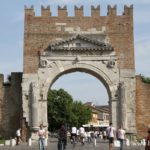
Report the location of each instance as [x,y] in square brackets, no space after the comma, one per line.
[55,45]
[10,105]
[99,45]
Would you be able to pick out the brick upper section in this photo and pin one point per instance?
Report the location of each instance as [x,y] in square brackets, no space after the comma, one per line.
[142,106]
[40,31]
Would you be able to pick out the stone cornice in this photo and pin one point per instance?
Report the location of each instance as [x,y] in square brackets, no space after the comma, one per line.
[97,45]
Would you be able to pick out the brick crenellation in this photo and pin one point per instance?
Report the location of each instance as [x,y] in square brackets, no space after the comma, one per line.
[40,31]
[79,11]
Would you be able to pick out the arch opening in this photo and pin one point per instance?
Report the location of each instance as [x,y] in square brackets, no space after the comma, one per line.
[83,86]
[86,71]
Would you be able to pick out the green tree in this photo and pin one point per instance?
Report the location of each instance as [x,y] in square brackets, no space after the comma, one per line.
[59,108]
[63,110]
[82,114]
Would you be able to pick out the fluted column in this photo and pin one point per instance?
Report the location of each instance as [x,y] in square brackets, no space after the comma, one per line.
[122,105]
[34,108]
[113,111]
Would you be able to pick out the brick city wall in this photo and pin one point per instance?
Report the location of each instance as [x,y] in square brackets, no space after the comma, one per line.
[10,105]
[142,106]
[42,30]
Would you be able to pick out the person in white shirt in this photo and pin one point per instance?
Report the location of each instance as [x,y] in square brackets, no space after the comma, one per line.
[74,130]
[121,136]
[42,136]
[82,132]
[18,136]
[111,135]
[89,136]
[73,133]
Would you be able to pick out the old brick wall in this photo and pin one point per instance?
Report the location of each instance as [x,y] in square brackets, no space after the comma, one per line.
[42,30]
[1,102]
[10,105]
[142,106]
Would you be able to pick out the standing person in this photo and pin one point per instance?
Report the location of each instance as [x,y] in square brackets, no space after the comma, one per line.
[89,135]
[121,136]
[62,133]
[78,136]
[73,133]
[82,132]
[147,146]
[42,136]
[95,136]
[18,136]
[104,134]
[111,135]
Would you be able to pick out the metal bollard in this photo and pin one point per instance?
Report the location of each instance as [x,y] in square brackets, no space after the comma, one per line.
[30,142]
[94,141]
[46,142]
[12,142]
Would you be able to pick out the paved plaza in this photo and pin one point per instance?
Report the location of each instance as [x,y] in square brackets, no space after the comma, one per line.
[52,145]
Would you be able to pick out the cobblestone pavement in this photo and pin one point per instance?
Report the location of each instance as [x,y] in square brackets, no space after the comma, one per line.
[52,145]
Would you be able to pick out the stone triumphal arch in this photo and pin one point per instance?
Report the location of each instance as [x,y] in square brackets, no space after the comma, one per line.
[99,45]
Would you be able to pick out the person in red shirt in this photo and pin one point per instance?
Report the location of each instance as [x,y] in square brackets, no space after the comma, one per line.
[147,147]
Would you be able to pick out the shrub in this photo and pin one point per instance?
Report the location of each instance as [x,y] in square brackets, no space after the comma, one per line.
[145,79]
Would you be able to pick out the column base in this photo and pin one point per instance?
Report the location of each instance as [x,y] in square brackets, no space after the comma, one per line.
[34,133]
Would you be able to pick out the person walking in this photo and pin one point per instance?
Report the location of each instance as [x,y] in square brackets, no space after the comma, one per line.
[73,134]
[82,134]
[62,137]
[121,136]
[18,136]
[111,135]
[147,146]
[42,136]
[104,134]
[89,135]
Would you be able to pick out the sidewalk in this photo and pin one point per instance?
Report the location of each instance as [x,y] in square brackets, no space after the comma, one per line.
[52,145]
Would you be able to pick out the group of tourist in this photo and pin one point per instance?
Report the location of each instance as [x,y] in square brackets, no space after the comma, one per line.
[111,134]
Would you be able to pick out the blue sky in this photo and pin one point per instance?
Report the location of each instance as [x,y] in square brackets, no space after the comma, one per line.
[11,42]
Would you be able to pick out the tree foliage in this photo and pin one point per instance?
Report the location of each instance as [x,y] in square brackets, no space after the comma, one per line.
[63,110]
[145,79]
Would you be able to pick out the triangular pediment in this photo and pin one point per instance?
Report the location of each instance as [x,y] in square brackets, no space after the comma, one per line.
[79,42]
